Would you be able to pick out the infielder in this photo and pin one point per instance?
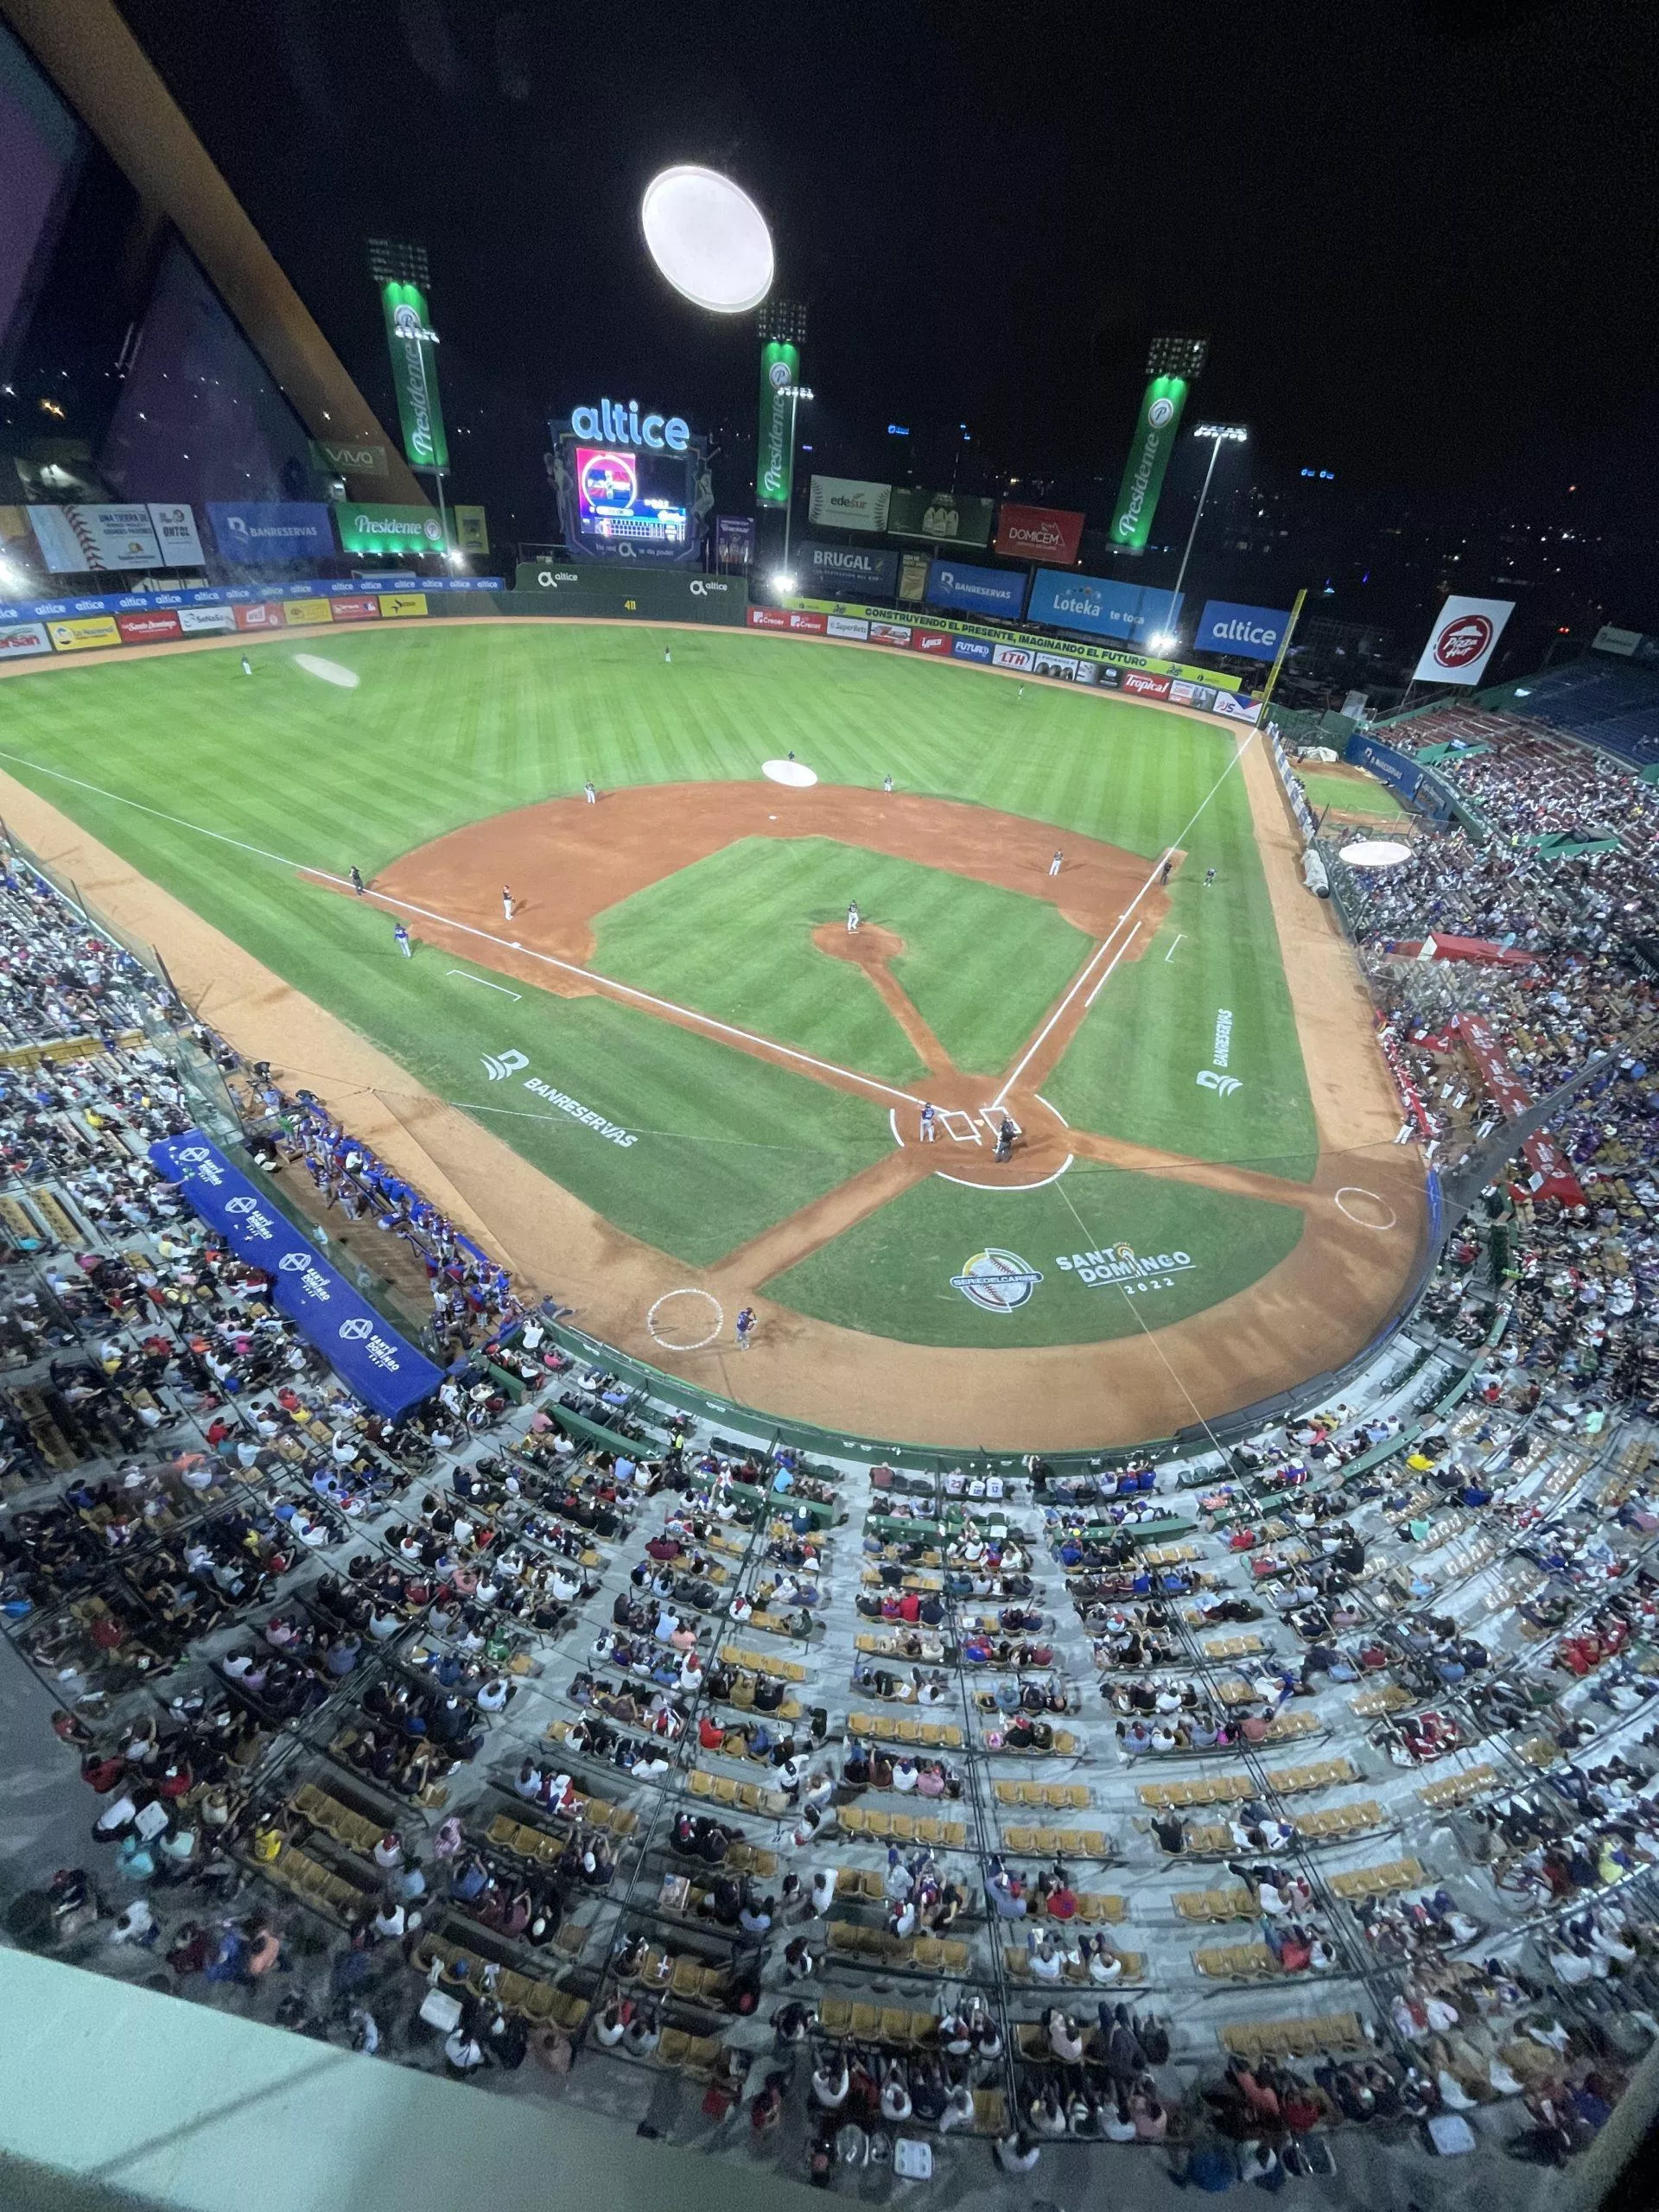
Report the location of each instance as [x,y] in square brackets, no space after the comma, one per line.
[929,1121]
[852,918]
[1054,865]
[745,1327]
[886,782]
[357,882]
[590,795]
[506,903]
[400,938]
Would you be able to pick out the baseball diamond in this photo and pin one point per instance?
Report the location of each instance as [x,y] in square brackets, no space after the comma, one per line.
[1148,1092]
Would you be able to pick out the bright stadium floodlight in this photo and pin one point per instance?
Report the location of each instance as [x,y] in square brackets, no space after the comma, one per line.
[1165,641]
[783,583]
[709,239]
[1216,435]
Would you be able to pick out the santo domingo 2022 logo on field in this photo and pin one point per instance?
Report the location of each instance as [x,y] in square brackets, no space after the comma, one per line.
[996,1281]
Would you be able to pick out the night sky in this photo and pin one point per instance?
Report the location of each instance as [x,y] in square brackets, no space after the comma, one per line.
[1420,236]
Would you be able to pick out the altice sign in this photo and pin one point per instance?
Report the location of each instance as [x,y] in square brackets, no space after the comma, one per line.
[618,423]
[1253,632]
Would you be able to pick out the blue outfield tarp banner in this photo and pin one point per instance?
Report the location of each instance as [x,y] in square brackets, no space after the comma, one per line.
[368,1355]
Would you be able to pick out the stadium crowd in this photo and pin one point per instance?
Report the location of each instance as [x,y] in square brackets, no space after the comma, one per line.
[545,1732]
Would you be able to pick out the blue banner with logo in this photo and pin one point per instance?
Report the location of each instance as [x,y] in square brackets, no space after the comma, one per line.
[272,529]
[367,1354]
[845,571]
[978,591]
[1100,607]
[972,648]
[125,603]
[1253,632]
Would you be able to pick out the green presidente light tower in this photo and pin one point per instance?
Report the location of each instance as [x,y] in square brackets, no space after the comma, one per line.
[405,278]
[1173,366]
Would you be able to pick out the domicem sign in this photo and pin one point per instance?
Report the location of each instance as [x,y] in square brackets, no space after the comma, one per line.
[1051,534]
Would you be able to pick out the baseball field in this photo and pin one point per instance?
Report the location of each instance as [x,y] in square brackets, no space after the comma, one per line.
[1076,914]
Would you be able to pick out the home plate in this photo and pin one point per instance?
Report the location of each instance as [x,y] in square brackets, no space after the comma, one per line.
[330,672]
[790,772]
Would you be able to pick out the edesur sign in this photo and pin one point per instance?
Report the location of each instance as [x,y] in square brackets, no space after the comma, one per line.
[849,502]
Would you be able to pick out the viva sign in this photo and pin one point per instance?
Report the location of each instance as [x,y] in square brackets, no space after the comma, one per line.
[415,373]
[618,423]
[1143,475]
[780,371]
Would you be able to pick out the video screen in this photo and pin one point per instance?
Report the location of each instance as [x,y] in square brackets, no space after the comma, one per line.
[637,496]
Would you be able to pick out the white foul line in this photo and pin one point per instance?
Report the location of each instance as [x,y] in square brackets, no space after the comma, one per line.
[485,980]
[1088,965]
[1170,955]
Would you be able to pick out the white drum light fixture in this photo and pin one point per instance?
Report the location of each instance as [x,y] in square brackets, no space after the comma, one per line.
[1375,852]
[709,239]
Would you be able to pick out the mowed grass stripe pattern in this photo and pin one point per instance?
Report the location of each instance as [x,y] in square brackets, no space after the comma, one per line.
[731,935]
[451,724]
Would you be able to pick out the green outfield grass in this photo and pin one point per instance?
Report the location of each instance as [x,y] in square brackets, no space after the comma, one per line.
[1350,794]
[213,783]
[891,1276]
[731,935]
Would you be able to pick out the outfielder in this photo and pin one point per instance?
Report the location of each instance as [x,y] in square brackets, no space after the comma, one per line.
[400,938]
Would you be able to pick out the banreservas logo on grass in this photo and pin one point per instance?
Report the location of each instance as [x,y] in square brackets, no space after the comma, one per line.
[996,1281]
[498,1066]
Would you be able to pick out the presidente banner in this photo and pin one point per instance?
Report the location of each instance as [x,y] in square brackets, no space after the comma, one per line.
[1038,533]
[1252,632]
[390,530]
[1100,607]
[363,1349]
[780,369]
[1465,632]
[977,591]
[941,515]
[847,571]
[248,531]
[1149,450]
[848,503]
[414,375]
[76,540]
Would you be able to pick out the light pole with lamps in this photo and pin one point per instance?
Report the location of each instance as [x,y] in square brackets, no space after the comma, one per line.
[794,393]
[1218,434]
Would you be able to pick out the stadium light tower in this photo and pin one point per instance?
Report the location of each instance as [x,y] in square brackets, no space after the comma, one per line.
[1220,435]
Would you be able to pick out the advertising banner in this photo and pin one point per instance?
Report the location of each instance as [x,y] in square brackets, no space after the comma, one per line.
[1462,641]
[733,541]
[201,621]
[780,368]
[472,530]
[362,1347]
[1051,534]
[259,614]
[1063,665]
[1235,705]
[80,634]
[147,629]
[255,531]
[848,503]
[395,604]
[1108,658]
[997,592]
[1609,639]
[889,633]
[979,649]
[845,571]
[847,626]
[19,640]
[175,525]
[646,596]
[1553,1175]
[75,540]
[1153,441]
[405,530]
[1019,656]
[413,375]
[1099,607]
[295,611]
[943,516]
[1143,686]
[770,618]
[349,458]
[929,641]
[1183,694]
[358,607]
[912,578]
[1252,632]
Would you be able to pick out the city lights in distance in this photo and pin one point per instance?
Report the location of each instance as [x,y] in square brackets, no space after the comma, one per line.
[709,239]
